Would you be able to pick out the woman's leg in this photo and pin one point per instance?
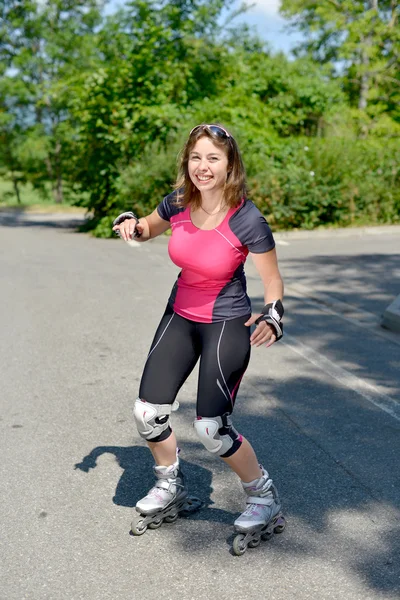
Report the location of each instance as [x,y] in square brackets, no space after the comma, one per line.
[173,355]
[224,360]
[164,453]
[244,462]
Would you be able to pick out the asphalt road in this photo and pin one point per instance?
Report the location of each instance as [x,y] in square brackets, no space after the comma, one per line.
[322,409]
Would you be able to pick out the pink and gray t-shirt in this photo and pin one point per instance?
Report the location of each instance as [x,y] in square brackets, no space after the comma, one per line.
[211,286]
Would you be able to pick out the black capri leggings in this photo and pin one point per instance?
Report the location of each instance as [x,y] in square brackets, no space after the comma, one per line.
[224,352]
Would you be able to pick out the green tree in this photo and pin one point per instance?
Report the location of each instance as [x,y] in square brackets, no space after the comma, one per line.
[10,166]
[159,59]
[264,100]
[13,109]
[361,36]
[46,46]
[295,95]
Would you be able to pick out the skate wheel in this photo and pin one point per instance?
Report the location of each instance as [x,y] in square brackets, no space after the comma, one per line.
[279,529]
[254,543]
[156,524]
[281,524]
[138,527]
[267,536]
[238,546]
[172,518]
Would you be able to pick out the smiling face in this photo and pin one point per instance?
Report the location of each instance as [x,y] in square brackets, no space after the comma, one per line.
[208,166]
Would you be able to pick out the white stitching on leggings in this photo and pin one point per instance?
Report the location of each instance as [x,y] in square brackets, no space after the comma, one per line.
[219,364]
[161,336]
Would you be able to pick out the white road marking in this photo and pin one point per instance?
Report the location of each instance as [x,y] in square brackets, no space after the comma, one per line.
[347,312]
[370,392]
[282,243]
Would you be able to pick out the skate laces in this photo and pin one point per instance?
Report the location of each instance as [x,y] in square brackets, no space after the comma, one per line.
[257,513]
[163,489]
[158,493]
[253,510]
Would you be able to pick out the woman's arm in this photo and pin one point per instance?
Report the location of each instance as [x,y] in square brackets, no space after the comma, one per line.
[147,227]
[266,264]
[267,267]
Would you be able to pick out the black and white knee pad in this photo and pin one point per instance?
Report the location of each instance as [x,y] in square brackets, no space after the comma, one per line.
[152,419]
[217,434]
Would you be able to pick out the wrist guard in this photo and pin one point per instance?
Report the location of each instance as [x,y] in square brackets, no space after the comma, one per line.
[272,314]
[122,217]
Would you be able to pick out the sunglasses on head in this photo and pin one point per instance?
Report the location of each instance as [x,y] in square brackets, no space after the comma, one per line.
[215,129]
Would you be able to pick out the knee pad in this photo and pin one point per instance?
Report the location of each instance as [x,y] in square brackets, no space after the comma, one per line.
[152,419]
[217,434]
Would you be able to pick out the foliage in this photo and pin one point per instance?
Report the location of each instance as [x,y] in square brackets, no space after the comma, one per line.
[315,182]
[362,37]
[96,109]
[161,58]
[301,183]
[43,47]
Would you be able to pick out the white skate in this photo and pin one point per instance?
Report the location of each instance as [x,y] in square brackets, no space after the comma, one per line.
[262,517]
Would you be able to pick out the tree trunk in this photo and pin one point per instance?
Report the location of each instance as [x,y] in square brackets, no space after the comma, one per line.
[365,77]
[58,188]
[364,87]
[16,189]
[49,167]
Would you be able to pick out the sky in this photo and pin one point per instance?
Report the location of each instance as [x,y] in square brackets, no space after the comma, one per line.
[263,17]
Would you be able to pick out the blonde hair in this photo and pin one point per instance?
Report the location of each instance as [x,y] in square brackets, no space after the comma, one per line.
[235,186]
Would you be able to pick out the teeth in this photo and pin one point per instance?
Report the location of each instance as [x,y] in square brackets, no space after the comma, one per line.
[203,178]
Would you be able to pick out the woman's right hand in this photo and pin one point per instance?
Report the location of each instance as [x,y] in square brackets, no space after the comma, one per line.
[127,229]
[147,227]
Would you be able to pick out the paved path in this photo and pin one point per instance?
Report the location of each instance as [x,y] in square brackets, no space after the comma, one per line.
[322,409]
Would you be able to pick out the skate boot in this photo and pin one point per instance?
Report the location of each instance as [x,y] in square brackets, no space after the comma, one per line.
[262,517]
[165,500]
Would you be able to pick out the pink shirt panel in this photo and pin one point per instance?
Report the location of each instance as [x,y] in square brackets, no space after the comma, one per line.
[208,259]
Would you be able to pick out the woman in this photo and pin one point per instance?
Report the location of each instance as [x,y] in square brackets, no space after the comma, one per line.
[208,316]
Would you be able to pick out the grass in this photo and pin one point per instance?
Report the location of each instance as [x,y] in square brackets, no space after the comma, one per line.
[32,201]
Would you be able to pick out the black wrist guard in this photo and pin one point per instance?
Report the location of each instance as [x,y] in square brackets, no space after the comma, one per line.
[272,314]
[127,215]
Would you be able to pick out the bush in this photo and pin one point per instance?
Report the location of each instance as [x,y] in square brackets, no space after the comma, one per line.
[317,182]
[302,183]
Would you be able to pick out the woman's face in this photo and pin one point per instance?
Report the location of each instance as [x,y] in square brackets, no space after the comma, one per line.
[208,166]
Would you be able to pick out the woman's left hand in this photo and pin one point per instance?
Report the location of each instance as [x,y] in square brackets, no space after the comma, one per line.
[263,334]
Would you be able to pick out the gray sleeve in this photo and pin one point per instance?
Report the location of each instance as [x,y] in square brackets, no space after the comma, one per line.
[167,208]
[251,228]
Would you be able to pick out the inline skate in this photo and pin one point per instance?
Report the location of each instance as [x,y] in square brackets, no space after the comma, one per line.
[262,517]
[165,501]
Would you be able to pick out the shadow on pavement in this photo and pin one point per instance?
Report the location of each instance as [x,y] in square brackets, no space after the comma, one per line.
[49,220]
[368,281]
[360,351]
[138,478]
[318,489]
[332,455]
[330,470]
